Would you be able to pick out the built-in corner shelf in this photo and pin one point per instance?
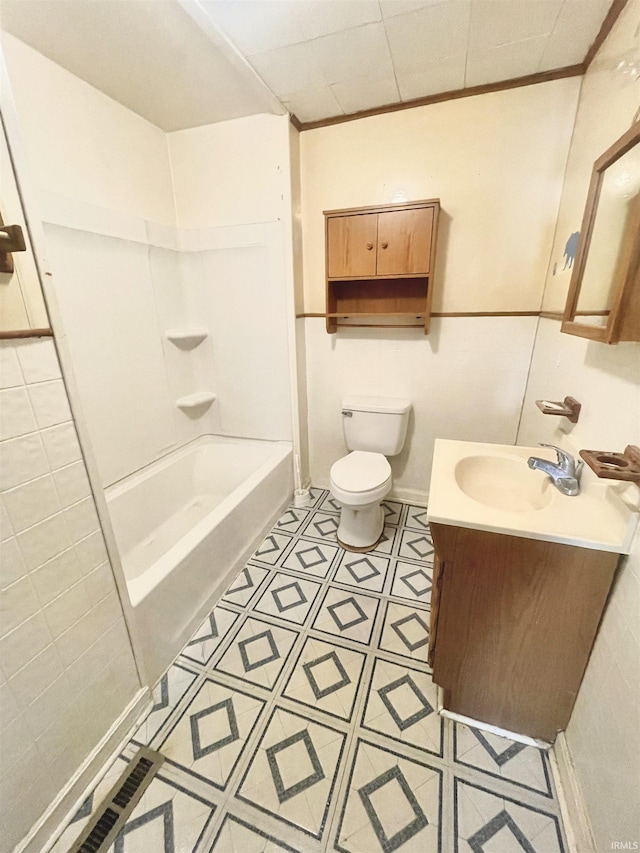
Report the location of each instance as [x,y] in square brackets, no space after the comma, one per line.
[196,404]
[187,338]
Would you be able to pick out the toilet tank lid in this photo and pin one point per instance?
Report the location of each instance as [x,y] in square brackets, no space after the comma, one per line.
[388,405]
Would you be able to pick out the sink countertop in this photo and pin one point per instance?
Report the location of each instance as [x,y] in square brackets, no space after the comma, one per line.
[597,518]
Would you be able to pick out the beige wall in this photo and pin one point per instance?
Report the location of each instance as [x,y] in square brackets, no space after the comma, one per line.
[495,161]
[603,736]
[607,106]
[83,145]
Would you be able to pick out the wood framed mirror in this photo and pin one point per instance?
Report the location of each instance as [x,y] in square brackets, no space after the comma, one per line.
[603,303]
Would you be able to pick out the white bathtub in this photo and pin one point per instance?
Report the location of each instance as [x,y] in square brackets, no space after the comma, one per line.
[185,524]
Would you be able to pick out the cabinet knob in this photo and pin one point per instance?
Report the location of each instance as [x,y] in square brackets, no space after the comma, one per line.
[369,246]
[384,245]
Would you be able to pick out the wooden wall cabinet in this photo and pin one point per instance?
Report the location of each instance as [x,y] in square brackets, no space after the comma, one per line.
[513,621]
[379,263]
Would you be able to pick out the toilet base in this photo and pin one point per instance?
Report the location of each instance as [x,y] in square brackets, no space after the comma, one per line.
[363,549]
[360,529]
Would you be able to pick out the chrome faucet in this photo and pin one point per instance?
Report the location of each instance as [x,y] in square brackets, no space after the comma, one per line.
[565,473]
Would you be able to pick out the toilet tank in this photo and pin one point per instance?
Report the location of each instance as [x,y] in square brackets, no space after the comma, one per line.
[376,424]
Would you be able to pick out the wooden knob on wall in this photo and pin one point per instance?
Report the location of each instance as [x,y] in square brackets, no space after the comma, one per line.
[384,245]
[369,246]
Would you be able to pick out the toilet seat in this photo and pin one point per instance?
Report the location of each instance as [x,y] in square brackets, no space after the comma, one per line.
[360,478]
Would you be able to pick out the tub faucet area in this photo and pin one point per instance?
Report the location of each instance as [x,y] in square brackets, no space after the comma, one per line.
[565,472]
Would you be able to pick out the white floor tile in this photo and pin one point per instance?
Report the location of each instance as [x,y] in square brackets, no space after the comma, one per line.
[288,598]
[402,704]
[311,558]
[347,614]
[258,653]
[416,546]
[326,677]
[237,836]
[406,631]
[392,804]
[293,772]
[523,765]
[412,581]
[209,736]
[487,821]
[209,635]
[362,571]
[245,586]
[166,695]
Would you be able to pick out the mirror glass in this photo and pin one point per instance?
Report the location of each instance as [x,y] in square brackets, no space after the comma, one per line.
[616,209]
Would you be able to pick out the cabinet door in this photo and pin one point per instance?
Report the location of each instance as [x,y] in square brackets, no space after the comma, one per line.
[516,622]
[404,242]
[351,242]
[436,591]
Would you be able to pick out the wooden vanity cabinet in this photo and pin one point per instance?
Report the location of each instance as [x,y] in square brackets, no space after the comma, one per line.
[379,263]
[513,621]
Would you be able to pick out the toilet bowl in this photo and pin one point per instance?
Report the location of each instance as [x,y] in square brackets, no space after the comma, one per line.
[359,482]
[374,428]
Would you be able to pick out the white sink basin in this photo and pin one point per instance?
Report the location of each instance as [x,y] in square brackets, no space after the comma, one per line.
[491,487]
[504,483]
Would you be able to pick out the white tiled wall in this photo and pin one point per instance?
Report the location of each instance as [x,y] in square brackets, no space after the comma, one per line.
[66,666]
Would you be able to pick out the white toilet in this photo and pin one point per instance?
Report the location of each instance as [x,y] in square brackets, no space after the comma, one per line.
[374,428]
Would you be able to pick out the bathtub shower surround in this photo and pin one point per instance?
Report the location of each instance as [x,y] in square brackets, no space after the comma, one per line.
[184,524]
[157,319]
[301,716]
[123,284]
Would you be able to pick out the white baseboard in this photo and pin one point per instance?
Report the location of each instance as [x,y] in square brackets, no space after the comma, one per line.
[48,829]
[572,806]
[412,496]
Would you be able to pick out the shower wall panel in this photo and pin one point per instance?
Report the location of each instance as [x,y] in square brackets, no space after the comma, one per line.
[244,302]
[105,291]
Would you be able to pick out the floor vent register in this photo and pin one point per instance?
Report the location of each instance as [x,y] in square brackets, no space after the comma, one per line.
[115,809]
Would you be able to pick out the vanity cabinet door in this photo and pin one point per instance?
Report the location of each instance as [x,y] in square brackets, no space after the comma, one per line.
[404,242]
[436,589]
[351,244]
[516,619]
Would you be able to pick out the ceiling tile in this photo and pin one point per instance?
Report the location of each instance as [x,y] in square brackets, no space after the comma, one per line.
[361,52]
[366,93]
[100,42]
[254,26]
[498,22]
[435,32]
[289,69]
[321,17]
[505,62]
[576,28]
[390,8]
[445,75]
[313,104]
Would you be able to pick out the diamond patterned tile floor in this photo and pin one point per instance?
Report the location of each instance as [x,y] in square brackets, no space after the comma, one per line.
[301,717]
